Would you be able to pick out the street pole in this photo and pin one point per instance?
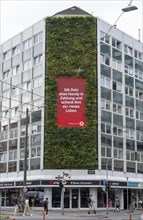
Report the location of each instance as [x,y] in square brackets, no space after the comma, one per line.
[127,195]
[107,183]
[25,155]
[62,196]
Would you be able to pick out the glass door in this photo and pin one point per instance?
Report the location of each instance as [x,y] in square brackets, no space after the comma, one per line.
[67,198]
[74,198]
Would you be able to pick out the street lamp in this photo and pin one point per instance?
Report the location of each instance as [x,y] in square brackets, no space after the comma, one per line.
[129,7]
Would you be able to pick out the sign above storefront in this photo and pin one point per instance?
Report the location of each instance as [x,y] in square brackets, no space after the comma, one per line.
[71,182]
[6,184]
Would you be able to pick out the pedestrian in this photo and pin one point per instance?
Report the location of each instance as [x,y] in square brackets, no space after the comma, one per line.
[27,208]
[117,202]
[45,206]
[15,204]
[91,207]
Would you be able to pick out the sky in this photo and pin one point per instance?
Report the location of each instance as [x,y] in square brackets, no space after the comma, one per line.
[16,16]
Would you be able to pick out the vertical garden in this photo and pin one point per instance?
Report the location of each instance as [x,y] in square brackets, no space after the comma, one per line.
[70,47]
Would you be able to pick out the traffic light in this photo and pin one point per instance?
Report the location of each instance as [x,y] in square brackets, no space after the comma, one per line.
[107,186]
[61,185]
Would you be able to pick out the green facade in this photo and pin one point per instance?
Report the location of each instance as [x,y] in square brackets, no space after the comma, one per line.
[71,44]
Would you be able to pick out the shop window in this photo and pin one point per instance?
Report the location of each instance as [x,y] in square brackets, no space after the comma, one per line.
[84,193]
[56,198]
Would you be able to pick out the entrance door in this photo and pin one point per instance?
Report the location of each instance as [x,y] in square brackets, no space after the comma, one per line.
[74,198]
[67,198]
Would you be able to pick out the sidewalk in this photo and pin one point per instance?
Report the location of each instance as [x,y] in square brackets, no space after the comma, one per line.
[79,214]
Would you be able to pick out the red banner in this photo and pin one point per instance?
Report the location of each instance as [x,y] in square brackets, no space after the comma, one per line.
[71,102]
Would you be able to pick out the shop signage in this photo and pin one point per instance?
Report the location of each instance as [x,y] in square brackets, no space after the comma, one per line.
[71,182]
[114,183]
[28,183]
[71,102]
[135,184]
[6,184]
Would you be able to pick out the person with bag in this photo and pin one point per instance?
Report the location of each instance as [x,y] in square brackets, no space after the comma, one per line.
[91,207]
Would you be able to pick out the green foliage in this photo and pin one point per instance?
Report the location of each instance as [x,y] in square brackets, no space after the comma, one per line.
[70,45]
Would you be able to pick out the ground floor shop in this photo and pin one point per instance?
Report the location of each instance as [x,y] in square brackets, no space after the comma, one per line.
[75,194]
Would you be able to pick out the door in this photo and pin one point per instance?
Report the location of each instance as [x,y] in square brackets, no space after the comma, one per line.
[67,198]
[75,198]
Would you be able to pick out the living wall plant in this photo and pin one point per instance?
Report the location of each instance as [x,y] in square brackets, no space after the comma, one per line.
[70,45]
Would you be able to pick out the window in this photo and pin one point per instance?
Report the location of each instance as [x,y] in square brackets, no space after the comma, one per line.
[116,43]
[139,95]
[36,104]
[27,44]
[6,55]
[117,108]
[16,50]
[105,82]
[104,37]
[130,134]
[130,155]
[38,60]
[117,131]
[117,65]
[128,70]
[138,55]
[13,155]
[27,86]
[38,37]
[5,114]
[105,59]
[14,91]
[106,128]
[118,153]
[128,50]
[16,70]
[129,91]
[6,75]
[105,104]
[6,95]
[117,86]
[3,156]
[139,115]
[27,65]
[105,151]
[14,112]
[129,112]
[36,128]
[35,151]
[37,82]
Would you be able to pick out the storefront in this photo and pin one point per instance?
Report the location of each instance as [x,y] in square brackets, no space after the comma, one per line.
[75,195]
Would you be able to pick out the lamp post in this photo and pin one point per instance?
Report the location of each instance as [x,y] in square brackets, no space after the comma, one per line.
[107,162]
[25,155]
[127,195]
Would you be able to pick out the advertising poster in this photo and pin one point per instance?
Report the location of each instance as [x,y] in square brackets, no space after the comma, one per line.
[71,102]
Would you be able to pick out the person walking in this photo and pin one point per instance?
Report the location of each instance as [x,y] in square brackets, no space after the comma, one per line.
[27,208]
[15,204]
[117,202]
[91,207]
[45,208]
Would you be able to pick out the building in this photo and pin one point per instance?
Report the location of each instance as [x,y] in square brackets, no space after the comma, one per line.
[81,81]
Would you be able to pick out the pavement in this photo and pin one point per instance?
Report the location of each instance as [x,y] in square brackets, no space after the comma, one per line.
[77,215]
